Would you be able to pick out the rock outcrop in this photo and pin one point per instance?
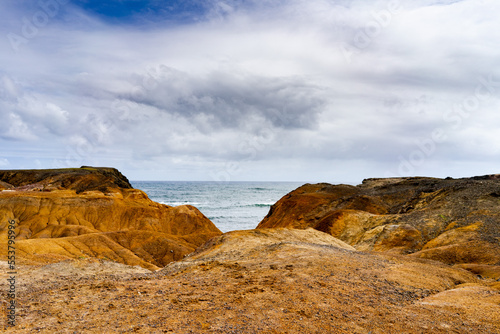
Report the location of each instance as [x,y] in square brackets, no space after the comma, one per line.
[95,212]
[5,185]
[80,179]
[455,221]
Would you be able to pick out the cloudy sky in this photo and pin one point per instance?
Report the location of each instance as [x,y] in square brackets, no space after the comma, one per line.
[298,90]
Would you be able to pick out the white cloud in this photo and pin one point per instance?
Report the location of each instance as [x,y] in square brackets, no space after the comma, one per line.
[4,162]
[18,129]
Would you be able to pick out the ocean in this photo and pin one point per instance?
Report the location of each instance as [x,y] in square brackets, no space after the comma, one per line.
[229,205]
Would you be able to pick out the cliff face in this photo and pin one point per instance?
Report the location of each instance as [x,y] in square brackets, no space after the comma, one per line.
[456,221]
[94,212]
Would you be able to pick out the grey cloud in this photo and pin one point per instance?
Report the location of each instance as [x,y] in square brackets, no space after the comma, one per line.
[229,100]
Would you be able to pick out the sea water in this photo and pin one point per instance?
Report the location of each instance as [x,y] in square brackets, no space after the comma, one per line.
[229,205]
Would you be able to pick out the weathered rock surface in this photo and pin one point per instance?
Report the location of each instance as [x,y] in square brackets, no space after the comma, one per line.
[79,179]
[95,212]
[262,281]
[5,185]
[253,244]
[455,221]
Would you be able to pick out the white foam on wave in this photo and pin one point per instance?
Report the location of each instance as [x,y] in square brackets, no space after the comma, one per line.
[179,203]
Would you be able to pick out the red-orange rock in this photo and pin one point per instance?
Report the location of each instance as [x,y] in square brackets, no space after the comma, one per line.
[456,221]
[121,224]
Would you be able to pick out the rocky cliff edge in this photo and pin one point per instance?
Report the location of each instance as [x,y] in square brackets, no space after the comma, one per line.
[455,221]
[95,213]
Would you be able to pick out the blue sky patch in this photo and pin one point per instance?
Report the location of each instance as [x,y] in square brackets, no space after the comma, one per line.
[133,11]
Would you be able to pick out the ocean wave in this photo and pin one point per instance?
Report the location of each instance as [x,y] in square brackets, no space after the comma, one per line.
[213,206]
[179,203]
[239,206]
[233,218]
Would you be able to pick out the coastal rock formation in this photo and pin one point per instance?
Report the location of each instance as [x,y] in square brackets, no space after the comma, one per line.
[268,280]
[78,179]
[455,221]
[95,212]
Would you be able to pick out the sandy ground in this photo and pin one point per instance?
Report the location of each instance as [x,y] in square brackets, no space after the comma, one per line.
[289,288]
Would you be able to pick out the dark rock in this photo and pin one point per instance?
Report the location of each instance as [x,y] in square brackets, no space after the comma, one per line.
[80,179]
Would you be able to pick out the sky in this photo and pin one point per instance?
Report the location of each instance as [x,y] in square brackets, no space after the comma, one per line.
[233,90]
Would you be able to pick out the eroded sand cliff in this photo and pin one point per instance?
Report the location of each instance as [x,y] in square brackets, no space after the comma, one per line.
[95,212]
[412,255]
